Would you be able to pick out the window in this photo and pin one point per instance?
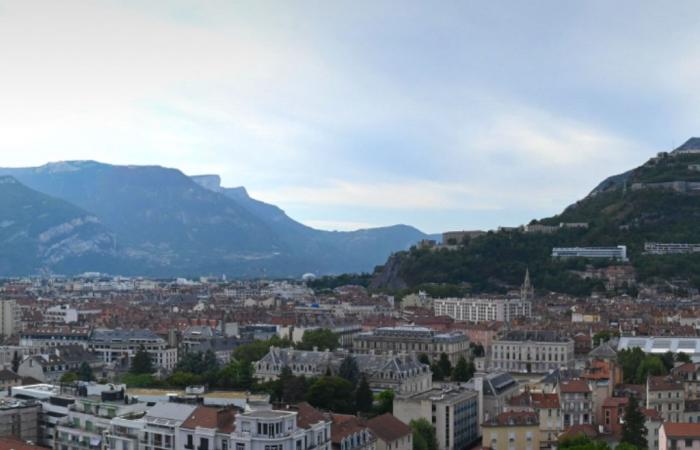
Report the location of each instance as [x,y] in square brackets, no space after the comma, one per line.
[240,446]
[224,444]
[189,444]
[688,442]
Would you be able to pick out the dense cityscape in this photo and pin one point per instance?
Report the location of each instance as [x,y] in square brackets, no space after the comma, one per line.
[349,225]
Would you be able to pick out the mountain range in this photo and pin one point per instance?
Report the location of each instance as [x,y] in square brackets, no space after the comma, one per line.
[76,216]
[658,201]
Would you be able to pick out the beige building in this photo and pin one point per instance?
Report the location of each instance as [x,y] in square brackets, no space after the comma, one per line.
[413,339]
[10,318]
[531,352]
[547,407]
[453,411]
[512,431]
[666,395]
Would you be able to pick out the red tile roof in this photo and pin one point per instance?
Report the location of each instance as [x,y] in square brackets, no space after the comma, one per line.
[343,425]
[221,419]
[574,386]
[682,430]
[388,428]
[513,419]
[664,383]
[615,402]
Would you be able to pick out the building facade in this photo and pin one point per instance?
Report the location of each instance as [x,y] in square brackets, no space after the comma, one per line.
[413,339]
[114,346]
[531,352]
[453,411]
[483,309]
[401,373]
[10,318]
[619,252]
[512,431]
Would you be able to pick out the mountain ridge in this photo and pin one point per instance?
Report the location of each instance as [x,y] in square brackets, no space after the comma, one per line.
[167,223]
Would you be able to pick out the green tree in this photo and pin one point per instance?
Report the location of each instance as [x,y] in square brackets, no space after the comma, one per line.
[477,350]
[143,380]
[463,371]
[349,370]
[633,430]
[582,442]
[668,360]
[423,358]
[184,379]
[333,394]
[69,377]
[385,403]
[322,338]
[236,374]
[364,400]
[423,435]
[445,365]
[629,360]
[295,390]
[256,350]
[650,366]
[16,361]
[85,372]
[141,362]
[683,357]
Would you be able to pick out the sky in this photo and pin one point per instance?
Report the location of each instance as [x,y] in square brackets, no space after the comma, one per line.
[442,115]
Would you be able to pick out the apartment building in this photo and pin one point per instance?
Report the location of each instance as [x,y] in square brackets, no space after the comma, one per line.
[401,373]
[679,436]
[161,427]
[20,419]
[547,408]
[413,339]
[666,395]
[55,336]
[302,428]
[90,417]
[512,431]
[114,346]
[10,318]
[531,352]
[483,309]
[619,252]
[690,374]
[54,408]
[453,411]
[659,248]
[576,403]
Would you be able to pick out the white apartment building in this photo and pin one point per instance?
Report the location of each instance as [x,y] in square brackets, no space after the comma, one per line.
[482,309]
[659,248]
[61,314]
[10,318]
[619,252]
[116,345]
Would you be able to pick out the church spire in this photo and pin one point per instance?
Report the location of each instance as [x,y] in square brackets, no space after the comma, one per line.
[527,292]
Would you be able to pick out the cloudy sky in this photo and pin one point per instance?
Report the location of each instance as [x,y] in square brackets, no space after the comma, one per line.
[443,115]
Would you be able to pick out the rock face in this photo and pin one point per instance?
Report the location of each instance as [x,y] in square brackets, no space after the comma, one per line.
[41,233]
[165,223]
